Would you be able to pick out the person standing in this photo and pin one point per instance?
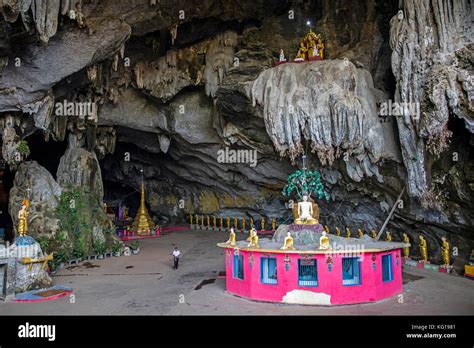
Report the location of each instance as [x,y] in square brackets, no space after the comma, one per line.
[176,254]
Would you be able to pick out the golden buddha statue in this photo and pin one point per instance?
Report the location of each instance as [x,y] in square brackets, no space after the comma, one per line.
[338,231]
[445,252]
[320,46]
[236,223]
[262,223]
[208,220]
[221,222]
[288,242]
[251,222]
[231,239]
[244,223]
[373,234]
[302,50]
[23,218]
[388,238]
[274,224]
[190,219]
[423,249]
[324,241]
[214,223]
[253,238]
[326,228]
[306,212]
[227,222]
[406,251]
[202,220]
[196,218]
[360,233]
[348,232]
[143,222]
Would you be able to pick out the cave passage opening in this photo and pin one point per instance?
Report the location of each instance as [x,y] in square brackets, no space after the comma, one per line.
[47,153]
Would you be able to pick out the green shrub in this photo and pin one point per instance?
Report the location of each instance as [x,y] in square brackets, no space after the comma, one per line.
[23,148]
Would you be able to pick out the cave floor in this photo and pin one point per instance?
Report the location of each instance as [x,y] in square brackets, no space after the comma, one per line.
[147,284]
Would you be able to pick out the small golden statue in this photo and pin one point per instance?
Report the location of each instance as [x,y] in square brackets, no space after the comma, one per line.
[231,239]
[406,251]
[306,212]
[214,223]
[253,238]
[236,223]
[190,219]
[221,222]
[288,242]
[251,222]
[23,218]
[262,223]
[301,55]
[324,241]
[423,249]
[373,234]
[244,224]
[445,252]
[208,220]
[338,231]
[274,224]
[227,222]
[202,220]
[348,232]
[326,228]
[196,217]
[388,238]
[360,233]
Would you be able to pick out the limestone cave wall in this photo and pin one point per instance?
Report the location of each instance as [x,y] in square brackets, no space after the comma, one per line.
[174,84]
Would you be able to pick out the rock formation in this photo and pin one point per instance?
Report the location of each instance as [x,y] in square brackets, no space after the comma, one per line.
[171,93]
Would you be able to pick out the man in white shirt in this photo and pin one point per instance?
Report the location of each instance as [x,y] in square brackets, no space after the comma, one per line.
[176,253]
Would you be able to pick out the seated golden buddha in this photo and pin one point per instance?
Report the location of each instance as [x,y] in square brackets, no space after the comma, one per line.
[306,212]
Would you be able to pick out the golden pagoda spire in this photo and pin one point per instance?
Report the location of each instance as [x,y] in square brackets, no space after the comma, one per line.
[143,222]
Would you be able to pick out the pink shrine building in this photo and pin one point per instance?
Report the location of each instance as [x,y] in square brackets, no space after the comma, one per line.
[356,270]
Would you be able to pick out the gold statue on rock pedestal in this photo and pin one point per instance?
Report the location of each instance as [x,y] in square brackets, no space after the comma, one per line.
[236,223]
[251,222]
[196,218]
[360,233]
[373,234]
[445,252]
[244,224]
[253,238]
[23,218]
[227,222]
[262,223]
[143,222]
[231,239]
[306,212]
[221,222]
[389,236]
[214,223]
[274,224]
[406,251]
[288,242]
[202,220]
[324,242]
[208,220]
[338,231]
[311,48]
[348,232]
[423,249]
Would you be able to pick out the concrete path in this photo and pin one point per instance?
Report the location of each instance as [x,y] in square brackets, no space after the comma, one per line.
[146,284]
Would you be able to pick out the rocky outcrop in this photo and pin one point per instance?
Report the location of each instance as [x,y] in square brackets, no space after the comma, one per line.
[80,168]
[34,182]
[332,106]
[427,39]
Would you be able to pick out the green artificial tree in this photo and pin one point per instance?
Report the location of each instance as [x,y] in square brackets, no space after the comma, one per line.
[305,182]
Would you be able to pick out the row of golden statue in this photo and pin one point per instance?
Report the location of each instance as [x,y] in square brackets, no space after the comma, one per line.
[205,221]
[311,48]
